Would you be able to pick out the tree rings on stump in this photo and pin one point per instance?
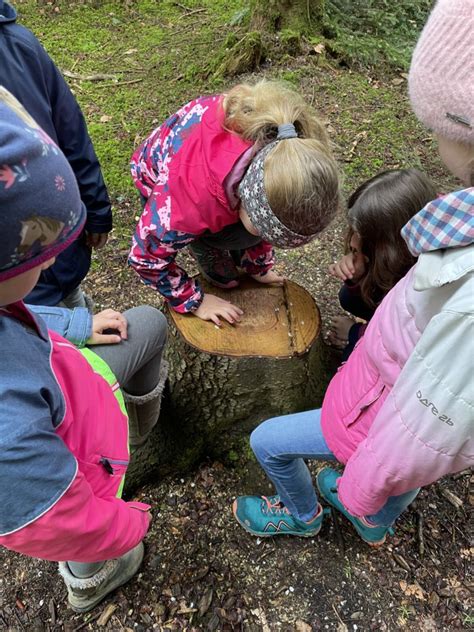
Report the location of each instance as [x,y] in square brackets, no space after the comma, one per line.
[278,322]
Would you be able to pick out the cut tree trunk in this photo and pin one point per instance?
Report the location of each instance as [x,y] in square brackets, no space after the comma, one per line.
[300,16]
[224,381]
[289,19]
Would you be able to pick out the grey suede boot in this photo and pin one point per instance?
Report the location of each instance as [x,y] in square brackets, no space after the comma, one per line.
[144,410]
[85,594]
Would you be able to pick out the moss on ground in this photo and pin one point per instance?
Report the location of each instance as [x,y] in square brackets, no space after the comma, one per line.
[154,53]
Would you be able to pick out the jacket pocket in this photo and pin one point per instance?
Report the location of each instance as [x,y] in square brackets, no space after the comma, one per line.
[114,467]
[365,402]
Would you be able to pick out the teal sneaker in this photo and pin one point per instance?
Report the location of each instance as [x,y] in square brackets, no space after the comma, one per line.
[267,516]
[373,535]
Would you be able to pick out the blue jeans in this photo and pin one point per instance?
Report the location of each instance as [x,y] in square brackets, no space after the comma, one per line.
[280,445]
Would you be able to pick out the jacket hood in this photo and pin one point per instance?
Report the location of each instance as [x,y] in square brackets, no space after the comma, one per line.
[447,222]
[7,13]
[440,267]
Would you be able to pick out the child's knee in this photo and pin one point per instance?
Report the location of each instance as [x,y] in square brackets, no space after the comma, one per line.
[258,442]
[150,322]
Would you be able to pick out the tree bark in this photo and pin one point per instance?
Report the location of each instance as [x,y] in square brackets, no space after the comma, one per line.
[300,16]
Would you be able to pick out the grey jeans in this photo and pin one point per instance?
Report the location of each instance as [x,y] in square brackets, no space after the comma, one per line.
[135,363]
[77,298]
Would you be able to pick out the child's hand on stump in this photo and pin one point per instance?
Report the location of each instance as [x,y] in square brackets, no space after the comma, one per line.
[269,277]
[212,307]
[103,323]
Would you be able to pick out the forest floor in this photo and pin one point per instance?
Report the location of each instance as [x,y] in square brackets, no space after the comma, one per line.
[201,570]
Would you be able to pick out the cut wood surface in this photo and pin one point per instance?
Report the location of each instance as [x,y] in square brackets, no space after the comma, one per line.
[278,321]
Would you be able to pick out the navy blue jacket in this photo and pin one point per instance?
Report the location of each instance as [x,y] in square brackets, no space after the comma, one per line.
[28,72]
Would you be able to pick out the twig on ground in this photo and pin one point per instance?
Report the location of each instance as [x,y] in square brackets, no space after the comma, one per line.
[339,617]
[339,538]
[450,497]
[461,474]
[95,77]
[119,83]
[421,540]
[19,620]
[455,526]
[83,625]
[192,12]
[401,561]
[187,10]
[360,136]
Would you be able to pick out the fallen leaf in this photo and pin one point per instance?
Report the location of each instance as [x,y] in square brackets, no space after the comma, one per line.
[414,590]
[205,602]
[302,626]
[319,48]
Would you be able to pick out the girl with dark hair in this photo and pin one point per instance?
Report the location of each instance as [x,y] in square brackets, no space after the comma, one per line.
[398,413]
[376,256]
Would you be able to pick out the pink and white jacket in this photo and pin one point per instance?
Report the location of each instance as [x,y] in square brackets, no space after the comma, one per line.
[400,412]
[63,448]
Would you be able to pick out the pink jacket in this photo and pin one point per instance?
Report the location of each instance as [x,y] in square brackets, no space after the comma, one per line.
[65,505]
[400,412]
[188,170]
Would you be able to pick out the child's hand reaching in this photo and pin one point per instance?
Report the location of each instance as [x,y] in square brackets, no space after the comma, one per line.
[350,267]
[105,321]
[212,307]
[269,277]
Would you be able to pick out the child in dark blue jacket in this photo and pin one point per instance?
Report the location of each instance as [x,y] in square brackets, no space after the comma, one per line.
[28,72]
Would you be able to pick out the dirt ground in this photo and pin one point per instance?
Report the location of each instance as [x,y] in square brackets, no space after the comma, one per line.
[201,570]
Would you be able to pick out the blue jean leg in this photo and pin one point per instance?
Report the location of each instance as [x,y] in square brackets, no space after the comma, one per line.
[280,445]
[393,508]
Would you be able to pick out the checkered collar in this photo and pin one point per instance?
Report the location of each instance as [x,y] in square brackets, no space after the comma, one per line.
[447,222]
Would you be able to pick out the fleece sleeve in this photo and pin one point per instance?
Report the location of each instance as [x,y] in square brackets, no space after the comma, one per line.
[424,429]
[258,259]
[154,259]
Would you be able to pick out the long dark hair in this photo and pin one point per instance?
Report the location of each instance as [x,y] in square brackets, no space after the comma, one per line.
[377,211]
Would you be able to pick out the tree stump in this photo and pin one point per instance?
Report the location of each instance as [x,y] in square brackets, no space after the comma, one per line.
[224,380]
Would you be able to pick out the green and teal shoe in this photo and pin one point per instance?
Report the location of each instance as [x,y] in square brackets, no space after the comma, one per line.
[267,516]
[327,485]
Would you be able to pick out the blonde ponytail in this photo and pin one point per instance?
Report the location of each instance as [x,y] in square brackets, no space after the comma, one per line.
[301,174]
[254,112]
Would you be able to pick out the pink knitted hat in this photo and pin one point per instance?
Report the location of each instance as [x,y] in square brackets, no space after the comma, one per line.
[441,80]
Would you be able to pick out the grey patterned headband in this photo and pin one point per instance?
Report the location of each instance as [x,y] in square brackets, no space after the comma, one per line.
[254,200]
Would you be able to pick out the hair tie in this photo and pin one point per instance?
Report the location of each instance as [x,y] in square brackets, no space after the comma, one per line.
[287,130]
